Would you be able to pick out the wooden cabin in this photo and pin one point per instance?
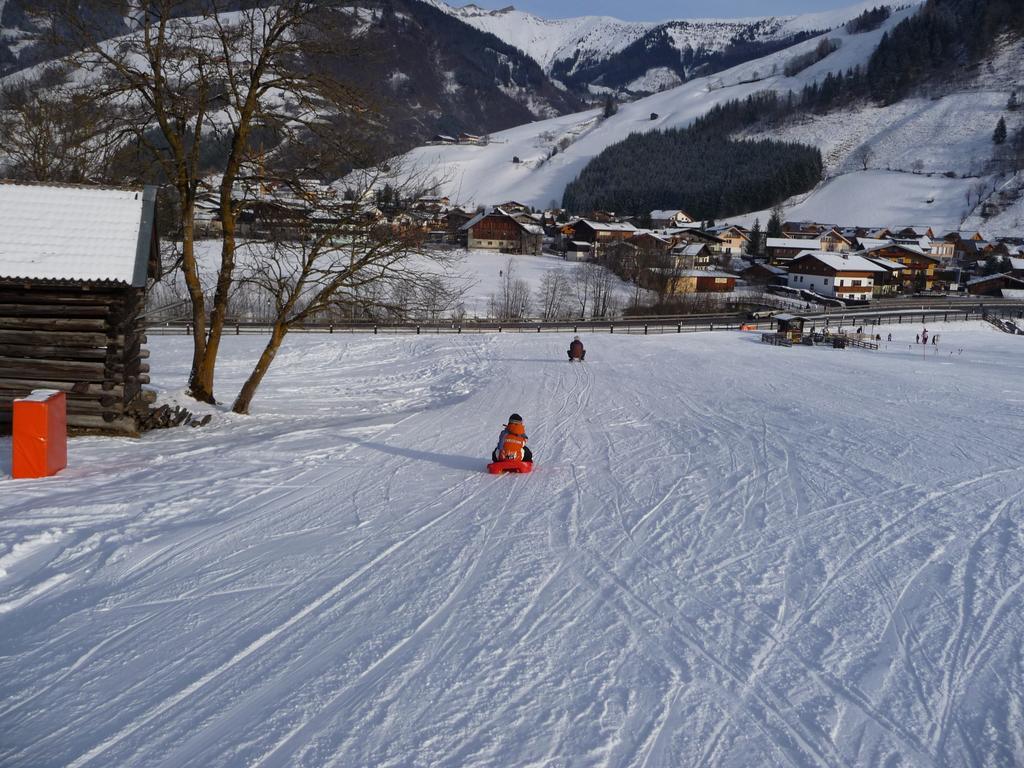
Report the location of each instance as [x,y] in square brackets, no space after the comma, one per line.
[74,266]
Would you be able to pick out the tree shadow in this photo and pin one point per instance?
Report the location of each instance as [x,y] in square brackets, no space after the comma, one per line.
[466,463]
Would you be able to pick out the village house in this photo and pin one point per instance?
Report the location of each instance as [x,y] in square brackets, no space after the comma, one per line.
[578,250]
[919,272]
[691,256]
[686,281]
[804,230]
[601,234]
[782,250]
[650,242]
[890,281]
[471,138]
[835,241]
[735,240]
[1016,267]
[998,286]
[836,275]
[663,219]
[498,231]
[765,275]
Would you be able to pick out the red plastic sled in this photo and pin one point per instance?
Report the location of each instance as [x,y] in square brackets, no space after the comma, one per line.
[500,467]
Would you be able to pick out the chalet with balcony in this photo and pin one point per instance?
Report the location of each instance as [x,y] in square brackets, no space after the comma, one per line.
[836,275]
[919,272]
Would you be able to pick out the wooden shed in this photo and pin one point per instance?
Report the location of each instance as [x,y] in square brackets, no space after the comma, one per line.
[790,326]
[74,266]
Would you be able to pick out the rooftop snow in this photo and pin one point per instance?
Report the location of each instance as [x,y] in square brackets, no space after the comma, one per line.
[842,263]
[86,234]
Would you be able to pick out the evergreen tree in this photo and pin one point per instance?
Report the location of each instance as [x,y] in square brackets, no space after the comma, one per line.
[775,222]
[754,246]
[999,136]
[610,107]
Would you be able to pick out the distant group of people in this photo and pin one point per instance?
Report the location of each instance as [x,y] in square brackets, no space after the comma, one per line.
[922,338]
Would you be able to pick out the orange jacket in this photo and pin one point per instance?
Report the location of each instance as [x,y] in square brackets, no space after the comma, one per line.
[511,442]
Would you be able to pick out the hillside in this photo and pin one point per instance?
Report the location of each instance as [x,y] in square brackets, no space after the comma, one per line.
[706,567]
[423,71]
[488,174]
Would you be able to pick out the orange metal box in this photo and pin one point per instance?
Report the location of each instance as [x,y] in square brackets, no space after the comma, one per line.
[40,434]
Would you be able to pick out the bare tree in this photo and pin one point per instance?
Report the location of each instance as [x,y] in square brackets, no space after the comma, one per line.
[50,132]
[202,90]
[864,155]
[512,302]
[554,296]
[327,255]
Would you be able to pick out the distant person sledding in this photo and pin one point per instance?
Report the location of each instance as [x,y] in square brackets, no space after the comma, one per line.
[576,350]
[512,453]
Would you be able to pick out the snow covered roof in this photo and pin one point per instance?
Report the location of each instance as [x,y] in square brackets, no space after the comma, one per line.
[1016,264]
[76,233]
[841,262]
[770,268]
[670,214]
[609,226]
[689,249]
[869,243]
[891,265]
[788,242]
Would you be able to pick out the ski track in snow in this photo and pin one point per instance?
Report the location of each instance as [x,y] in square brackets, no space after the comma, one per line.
[728,555]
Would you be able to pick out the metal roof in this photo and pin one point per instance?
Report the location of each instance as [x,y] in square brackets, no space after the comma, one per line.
[76,233]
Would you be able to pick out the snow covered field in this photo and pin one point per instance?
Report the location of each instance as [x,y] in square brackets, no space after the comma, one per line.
[728,555]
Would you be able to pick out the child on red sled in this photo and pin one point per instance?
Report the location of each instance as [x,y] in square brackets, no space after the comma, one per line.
[512,442]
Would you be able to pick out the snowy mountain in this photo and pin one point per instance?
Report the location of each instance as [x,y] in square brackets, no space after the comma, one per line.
[553,152]
[428,71]
[598,52]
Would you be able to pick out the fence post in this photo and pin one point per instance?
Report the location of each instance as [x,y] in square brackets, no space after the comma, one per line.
[237,329]
[679,327]
[417,330]
[188,329]
[611,329]
[645,329]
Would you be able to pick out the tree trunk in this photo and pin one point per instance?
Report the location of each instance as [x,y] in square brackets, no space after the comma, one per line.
[248,391]
[195,292]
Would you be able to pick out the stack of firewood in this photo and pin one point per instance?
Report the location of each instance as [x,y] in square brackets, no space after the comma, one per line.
[167,416]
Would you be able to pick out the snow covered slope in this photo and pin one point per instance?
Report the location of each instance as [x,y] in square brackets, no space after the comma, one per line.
[706,567]
[487,174]
[593,38]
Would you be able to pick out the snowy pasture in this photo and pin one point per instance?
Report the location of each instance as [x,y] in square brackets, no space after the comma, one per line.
[728,555]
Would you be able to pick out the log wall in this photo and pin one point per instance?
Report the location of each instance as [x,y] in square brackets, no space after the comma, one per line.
[85,340]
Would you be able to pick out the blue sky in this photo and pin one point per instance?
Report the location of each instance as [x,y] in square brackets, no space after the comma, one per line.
[656,10]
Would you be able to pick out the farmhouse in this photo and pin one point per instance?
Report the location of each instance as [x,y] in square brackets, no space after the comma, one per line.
[765,274]
[691,256]
[498,231]
[834,240]
[837,275]
[74,266]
